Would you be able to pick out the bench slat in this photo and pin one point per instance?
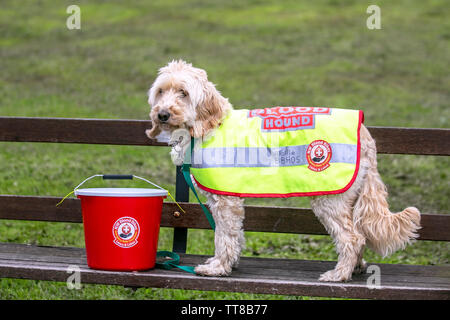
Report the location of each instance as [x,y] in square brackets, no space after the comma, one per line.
[89,131]
[411,140]
[131,132]
[254,275]
[263,219]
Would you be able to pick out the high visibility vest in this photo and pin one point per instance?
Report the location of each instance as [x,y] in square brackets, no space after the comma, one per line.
[280,152]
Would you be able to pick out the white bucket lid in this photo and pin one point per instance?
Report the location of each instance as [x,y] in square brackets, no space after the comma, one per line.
[121,192]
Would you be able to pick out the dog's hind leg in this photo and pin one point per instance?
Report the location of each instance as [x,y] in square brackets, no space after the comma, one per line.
[336,214]
[228,213]
[361,265]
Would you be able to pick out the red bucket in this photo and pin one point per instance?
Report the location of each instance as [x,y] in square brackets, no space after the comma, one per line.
[121,226]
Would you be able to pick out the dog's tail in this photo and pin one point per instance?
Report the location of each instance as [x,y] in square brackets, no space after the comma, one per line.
[386,232]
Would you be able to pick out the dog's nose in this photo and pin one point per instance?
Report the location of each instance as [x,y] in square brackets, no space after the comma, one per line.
[163,116]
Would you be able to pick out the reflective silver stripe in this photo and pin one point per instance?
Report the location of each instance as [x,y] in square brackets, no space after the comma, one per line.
[267,157]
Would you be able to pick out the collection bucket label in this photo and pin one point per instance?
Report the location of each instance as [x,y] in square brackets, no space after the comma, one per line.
[126,232]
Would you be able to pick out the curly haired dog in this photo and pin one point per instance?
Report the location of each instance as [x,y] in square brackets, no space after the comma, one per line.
[182,97]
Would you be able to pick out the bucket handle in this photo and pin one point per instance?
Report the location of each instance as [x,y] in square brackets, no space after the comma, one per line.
[117,177]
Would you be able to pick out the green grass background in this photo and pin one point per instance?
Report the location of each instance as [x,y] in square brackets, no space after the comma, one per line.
[260,54]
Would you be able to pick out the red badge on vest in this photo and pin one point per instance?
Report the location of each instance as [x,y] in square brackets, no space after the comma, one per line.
[318,155]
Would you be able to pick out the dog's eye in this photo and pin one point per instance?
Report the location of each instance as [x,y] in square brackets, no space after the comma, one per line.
[183,93]
[159,91]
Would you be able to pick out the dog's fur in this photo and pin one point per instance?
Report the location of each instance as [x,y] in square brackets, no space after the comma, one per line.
[356,218]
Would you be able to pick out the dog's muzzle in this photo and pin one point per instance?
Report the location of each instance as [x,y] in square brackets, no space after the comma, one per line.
[163,116]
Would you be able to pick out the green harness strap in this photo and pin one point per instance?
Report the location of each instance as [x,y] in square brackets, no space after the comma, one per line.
[175,258]
[174,263]
[187,176]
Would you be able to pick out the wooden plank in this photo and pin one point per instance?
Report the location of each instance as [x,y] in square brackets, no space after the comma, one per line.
[262,219]
[391,140]
[255,275]
[411,140]
[39,208]
[91,131]
[35,254]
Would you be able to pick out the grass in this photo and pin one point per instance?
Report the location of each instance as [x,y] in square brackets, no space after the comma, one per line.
[259,53]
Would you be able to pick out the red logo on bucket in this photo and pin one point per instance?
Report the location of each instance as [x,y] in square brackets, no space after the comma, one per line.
[125,232]
[318,155]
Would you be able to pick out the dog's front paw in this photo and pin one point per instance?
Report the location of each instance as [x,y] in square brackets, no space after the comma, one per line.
[334,276]
[361,267]
[212,269]
[151,133]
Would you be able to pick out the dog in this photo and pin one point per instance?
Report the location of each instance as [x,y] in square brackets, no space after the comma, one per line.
[182,98]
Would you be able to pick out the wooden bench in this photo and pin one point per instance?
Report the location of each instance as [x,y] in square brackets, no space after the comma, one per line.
[255,275]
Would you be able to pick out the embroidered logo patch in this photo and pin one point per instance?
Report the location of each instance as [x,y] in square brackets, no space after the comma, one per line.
[318,155]
[287,118]
[126,232]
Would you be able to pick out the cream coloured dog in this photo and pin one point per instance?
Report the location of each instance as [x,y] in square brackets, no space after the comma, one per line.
[182,98]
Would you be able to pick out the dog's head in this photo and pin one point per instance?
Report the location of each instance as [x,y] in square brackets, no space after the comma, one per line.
[182,97]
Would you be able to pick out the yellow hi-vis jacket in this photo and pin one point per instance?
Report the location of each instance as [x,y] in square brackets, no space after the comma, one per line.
[280,152]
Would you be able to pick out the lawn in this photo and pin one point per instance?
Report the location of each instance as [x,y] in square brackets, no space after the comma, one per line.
[260,54]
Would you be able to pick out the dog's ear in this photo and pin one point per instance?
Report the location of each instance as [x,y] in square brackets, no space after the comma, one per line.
[155,130]
[209,111]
